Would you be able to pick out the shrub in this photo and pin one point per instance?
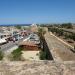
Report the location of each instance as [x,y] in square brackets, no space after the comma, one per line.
[16,54]
[73,37]
[18,26]
[67,25]
[1,55]
[42,55]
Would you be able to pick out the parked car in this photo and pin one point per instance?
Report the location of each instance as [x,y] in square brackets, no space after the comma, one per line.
[10,39]
[2,41]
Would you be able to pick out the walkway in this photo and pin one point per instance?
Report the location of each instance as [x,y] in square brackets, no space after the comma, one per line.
[60,51]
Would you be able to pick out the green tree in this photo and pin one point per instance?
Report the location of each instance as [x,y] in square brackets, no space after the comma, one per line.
[67,25]
[73,36]
[60,32]
[18,26]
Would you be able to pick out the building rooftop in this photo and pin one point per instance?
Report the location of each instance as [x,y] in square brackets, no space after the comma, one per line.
[29,43]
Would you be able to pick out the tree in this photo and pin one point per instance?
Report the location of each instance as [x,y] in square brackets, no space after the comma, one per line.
[41,31]
[73,36]
[18,26]
[67,25]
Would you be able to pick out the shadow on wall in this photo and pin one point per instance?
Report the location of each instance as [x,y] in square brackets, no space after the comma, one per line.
[46,49]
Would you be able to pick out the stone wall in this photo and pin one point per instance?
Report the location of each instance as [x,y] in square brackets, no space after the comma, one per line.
[37,68]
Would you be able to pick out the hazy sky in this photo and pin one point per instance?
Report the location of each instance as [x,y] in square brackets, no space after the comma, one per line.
[36,11]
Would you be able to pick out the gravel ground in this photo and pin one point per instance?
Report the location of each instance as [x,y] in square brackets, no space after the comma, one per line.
[30,55]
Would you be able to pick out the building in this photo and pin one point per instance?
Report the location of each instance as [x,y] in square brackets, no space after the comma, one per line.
[34,28]
[28,46]
[31,43]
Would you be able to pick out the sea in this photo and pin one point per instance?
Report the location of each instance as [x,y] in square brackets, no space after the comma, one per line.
[16,25]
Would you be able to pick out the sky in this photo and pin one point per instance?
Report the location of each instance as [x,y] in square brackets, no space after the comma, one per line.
[37,11]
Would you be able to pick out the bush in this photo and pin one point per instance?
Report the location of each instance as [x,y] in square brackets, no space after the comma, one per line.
[73,37]
[67,25]
[42,55]
[16,54]
[1,55]
[18,26]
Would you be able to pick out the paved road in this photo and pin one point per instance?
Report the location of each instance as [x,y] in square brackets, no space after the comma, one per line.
[11,44]
[61,49]
[8,46]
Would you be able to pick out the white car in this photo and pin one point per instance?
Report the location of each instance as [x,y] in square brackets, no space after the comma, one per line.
[3,41]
